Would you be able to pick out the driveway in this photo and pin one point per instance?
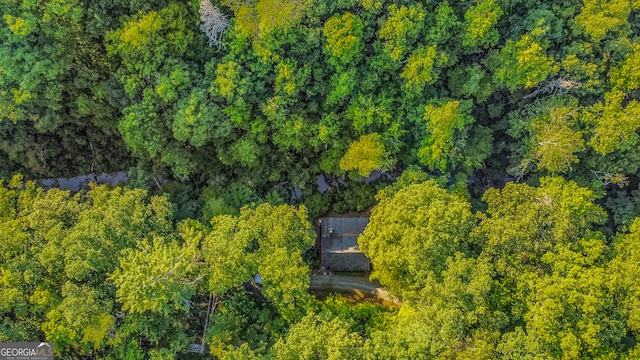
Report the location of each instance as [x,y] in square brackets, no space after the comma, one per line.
[348,283]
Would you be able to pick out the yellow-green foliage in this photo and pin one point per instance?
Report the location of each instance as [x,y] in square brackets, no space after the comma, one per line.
[523,63]
[442,123]
[615,124]
[227,79]
[136,34]
[344,37]
[364,155]
[315,337]
[146,40]
[262,17]
[18,25]
[556,143]
[474,91]
[284,77]
[245,20]
[419,69]
[401,29]
[627,75]
[480,21]
[278,14]
[598,17]
[412,233]
[583,69]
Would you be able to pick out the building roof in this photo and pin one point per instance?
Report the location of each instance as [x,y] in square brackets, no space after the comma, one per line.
[344,237]
[339,244]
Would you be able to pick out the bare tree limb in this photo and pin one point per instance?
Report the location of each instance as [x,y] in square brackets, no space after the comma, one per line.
[554,87]
[214,23]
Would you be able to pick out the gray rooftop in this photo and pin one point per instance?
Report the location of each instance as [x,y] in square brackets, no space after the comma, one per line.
[341,234]
[339,237]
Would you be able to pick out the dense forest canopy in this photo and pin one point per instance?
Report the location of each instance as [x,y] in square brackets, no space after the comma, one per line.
[506,219]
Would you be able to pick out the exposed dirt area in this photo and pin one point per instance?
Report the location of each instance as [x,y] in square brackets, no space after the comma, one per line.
[354,286]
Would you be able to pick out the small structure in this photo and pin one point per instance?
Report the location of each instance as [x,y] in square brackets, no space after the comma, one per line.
[339,250]
[196,348]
